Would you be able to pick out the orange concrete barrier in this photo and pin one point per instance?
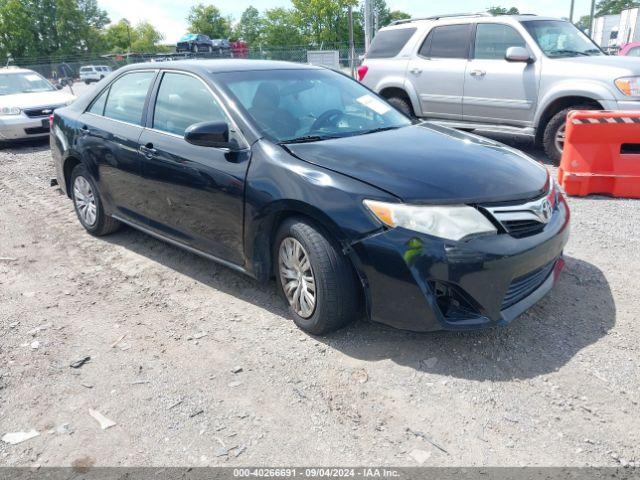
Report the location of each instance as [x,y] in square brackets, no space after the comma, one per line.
[601,154]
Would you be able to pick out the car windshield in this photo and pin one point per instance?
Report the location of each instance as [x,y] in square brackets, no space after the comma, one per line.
[29,82]
[557,39]
[309,105]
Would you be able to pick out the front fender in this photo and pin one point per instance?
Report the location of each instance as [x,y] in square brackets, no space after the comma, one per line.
[280,185]
[592,90]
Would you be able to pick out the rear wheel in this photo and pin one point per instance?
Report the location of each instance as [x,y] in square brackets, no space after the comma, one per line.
[315,278]
[402,104]
[87,203]
[555,132]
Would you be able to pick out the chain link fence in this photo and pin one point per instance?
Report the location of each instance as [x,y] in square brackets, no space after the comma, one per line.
[60,68]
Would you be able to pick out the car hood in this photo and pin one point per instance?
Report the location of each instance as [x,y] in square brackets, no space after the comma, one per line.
[37,99]
[615,65]
[427,163]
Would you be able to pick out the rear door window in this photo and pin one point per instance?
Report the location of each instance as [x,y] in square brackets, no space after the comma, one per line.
[388,43]
[127,96]
[493,40]
[447,41]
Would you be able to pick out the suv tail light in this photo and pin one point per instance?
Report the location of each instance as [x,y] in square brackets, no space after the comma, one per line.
[362,71]
[51,121]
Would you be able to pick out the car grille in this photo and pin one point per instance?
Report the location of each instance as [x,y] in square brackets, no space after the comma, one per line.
[525,285]
[522,228]
[40,111]
[36,130]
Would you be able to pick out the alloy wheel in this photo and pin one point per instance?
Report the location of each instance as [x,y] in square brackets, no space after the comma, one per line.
[85,200]
[296,276]
[560,136]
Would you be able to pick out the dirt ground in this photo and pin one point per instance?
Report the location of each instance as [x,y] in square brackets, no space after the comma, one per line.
[198,365]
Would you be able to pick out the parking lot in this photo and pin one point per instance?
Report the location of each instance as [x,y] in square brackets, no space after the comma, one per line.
[199,365]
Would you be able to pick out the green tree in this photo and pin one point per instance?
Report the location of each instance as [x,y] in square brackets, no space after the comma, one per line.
[250,26]
[281,28]
[398,15]
[36,28]
[497,10]
[208,20]
[142,38]
[323,21]
[584,23]
[613,7]
[147,38]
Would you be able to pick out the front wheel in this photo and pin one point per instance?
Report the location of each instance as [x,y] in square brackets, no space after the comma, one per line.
[315,278]
[402,104]
[88,205]
[555,132]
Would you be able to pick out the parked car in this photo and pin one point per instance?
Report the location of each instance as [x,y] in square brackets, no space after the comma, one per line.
[297,172]
[630,50]
[510,74]
[194,42]
[26,101]
[239,49]
[221,46]
[94,73]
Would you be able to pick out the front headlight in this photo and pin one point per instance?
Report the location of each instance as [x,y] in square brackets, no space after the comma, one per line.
[630,86]
[453,222]
[9,111]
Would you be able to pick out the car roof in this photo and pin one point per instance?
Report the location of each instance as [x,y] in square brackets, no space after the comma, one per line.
[467,18]
[222,65]
[15,70]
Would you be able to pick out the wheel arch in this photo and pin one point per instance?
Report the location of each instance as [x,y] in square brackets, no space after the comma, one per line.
[560,103]
[67,167]
[399,86]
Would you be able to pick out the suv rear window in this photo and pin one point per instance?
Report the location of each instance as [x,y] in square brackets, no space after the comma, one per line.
[447,41]
[388,43]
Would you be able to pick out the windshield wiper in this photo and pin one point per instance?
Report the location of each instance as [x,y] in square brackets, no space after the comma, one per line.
[306,139]
[376,130]
[570,52]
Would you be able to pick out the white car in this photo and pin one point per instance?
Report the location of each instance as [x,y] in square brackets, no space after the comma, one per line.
[93,73]
[26,101]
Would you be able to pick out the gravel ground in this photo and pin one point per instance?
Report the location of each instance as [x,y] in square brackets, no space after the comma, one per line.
[198,365]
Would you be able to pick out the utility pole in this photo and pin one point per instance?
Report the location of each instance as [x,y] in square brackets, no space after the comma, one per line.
[593,9]
[352,48]
[571,10]
[367,25]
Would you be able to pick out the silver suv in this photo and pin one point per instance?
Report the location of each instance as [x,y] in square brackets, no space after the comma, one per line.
[511,74]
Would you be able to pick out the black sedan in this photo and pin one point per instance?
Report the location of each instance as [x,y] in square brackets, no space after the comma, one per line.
[302,174]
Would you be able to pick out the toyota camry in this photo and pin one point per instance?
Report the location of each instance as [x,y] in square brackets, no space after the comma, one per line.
[301,174]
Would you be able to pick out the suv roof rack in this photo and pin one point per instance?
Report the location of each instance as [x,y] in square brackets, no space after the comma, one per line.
[437,17]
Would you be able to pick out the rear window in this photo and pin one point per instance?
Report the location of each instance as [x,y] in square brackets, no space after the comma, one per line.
[86,69]
[449,41]
[388,43]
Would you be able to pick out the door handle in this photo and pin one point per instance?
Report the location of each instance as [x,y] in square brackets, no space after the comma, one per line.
[478,73]
[416,71]
[148,150]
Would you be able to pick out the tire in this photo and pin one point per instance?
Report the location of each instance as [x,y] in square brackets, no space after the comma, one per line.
[103,224]
[337,295]
[402,104]
[87,82]
[552,129]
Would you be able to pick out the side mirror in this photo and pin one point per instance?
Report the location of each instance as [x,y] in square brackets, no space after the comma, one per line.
[59,87]
[518,54]
[209,134]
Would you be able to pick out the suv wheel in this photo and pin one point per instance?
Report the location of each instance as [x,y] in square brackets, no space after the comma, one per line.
[402,104]
[555,130]
[315,278]
[88,206]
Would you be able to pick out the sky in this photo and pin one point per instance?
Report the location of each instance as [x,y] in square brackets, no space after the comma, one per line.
[169,16]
